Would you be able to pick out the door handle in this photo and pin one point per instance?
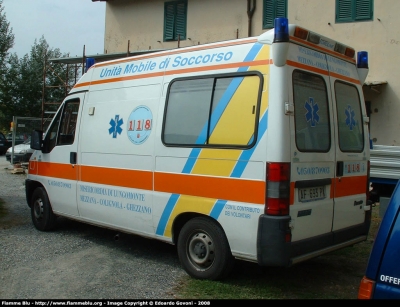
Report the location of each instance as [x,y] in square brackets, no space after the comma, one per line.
[72,157]
[339,168]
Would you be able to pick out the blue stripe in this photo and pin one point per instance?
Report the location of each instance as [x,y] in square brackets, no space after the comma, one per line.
[217,209]
[253,52]
[246,154]
[187,169]
[166,213]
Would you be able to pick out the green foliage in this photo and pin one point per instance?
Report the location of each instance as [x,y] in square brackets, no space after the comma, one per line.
[6,43]
[27,82]
[6,38]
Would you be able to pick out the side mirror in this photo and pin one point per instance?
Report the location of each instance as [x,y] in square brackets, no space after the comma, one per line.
[36,139]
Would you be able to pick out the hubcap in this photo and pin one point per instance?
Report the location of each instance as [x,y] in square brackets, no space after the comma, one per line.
[201,250]
[38,209]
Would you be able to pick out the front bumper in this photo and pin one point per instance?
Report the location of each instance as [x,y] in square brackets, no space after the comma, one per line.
[19,157]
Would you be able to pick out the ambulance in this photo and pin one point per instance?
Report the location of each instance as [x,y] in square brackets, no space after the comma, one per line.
[253,149]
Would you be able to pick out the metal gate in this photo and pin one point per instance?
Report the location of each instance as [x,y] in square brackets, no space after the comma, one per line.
[22,130]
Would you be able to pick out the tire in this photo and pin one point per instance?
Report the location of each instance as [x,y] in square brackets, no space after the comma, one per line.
[203,250]
[42,215]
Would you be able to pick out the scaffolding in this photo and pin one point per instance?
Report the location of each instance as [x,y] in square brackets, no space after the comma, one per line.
[76,65]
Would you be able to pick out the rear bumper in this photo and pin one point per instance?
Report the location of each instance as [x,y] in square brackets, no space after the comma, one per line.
[273,250]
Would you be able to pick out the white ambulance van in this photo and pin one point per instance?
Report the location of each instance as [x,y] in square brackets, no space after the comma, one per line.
[254,149]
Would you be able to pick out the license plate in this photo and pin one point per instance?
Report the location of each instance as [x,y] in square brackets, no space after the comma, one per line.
[312,194]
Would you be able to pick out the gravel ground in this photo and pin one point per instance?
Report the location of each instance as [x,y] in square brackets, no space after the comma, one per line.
[77,261]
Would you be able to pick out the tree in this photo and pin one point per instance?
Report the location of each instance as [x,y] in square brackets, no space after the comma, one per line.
[31,80]
[6,38]
[27,80]
[6,43]
[34,79]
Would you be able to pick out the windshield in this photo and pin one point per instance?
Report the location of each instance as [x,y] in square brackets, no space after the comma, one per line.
[28,141]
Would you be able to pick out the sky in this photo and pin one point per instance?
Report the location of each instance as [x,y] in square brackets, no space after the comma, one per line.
[70,25]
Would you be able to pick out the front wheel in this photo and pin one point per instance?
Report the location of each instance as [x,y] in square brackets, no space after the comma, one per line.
[203,250]
[42,215]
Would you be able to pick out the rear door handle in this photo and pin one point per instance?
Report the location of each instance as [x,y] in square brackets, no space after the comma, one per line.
[339,168]
[72,157]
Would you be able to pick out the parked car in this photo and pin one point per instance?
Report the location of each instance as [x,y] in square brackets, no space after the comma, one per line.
[19,138]
[22,152]
[382,276]
[4,144]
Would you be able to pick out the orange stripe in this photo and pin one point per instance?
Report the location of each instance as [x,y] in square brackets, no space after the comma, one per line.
[345,78]
[177,51]
[347,186]
[173,72]
[322,72]
[250,191]
[240,190]
[57,170]
[221,66]
[303,66]
[119,79]
[311,45]
[118,177]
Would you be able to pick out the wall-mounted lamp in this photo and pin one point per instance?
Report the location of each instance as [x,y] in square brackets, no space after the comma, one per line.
[158,41]
[329,23]
[378,19]
[189,38]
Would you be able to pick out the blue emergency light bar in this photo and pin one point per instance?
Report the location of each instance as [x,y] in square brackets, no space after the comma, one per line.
[89,63]
[362,59]
[281,25]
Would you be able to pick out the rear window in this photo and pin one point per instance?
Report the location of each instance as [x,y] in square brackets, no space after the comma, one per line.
[351,136]
[311,112]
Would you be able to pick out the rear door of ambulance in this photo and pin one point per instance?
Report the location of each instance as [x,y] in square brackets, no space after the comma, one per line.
[312,144]
[320,201]
[351,143]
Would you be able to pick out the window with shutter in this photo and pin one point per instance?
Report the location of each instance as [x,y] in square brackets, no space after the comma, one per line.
[271,10]
[175,14]
[354,10]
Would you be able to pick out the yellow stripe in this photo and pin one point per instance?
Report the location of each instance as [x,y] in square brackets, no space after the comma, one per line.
[236,125]
[189,204]
[218,162]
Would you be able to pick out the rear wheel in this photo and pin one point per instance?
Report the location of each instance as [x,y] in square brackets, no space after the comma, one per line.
[203,250]
[42,215]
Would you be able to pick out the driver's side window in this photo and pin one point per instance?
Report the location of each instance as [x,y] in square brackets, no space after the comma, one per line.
[62,129]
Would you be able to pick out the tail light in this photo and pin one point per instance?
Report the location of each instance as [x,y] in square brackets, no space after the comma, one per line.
[366,289]
[278,189]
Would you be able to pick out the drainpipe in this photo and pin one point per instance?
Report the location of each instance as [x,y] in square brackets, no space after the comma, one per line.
[251,7]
